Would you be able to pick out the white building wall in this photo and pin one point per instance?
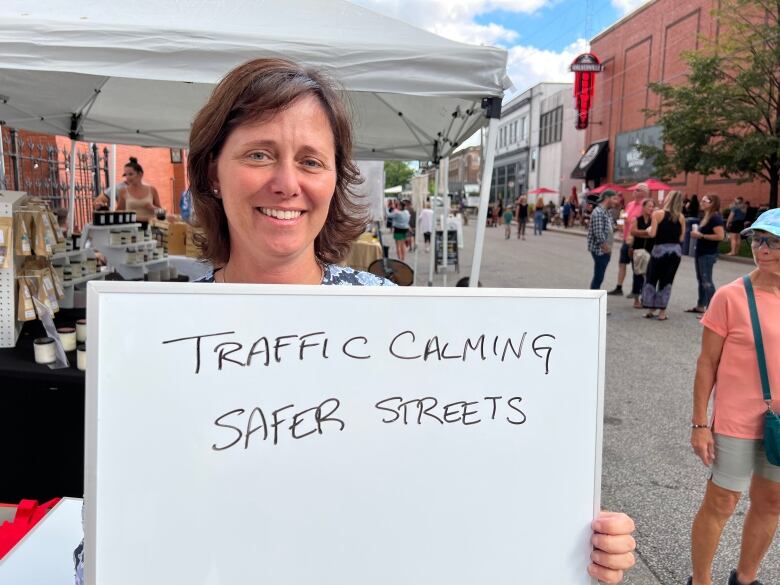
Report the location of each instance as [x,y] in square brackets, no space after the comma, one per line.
[556,160]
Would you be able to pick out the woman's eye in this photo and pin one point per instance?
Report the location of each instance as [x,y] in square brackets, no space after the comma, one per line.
[312,163]
[258,156]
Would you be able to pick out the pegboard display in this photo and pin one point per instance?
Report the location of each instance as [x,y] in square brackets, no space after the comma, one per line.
[9,328]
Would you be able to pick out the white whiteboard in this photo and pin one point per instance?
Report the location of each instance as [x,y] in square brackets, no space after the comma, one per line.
[505,500]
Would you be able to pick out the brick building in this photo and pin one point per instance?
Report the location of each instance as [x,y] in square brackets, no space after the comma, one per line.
[645,47]
[42,159]
[464,171]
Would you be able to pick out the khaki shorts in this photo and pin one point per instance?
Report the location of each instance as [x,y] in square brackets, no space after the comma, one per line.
[736,460]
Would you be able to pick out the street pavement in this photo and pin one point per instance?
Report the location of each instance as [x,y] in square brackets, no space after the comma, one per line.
[649,470]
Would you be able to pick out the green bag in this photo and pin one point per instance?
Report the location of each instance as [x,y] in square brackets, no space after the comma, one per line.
[771,418]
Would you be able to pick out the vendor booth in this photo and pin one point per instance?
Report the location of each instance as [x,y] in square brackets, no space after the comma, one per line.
[136,74]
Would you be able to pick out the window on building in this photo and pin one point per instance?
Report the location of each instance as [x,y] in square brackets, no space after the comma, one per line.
[510,182]
[523,129]
[551,126]
[501,184]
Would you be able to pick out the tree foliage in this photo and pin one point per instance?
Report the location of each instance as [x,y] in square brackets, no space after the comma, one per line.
[726,118]
[397,172]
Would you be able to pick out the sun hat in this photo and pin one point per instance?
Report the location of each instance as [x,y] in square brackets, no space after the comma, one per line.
[769,221]
[606,193]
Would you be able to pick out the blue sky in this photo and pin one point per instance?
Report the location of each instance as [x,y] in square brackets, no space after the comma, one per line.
[541,36]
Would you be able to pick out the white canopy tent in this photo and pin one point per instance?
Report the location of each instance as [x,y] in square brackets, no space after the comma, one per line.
[135,73]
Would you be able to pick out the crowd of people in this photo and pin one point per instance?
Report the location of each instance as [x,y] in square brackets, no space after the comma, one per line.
[652,244]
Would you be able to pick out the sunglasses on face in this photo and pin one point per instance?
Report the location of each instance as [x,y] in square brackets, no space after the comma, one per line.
[771,242]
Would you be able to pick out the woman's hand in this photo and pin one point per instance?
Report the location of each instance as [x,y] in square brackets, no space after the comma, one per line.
[150,207]
[696,234]
[613,547]
[703,445]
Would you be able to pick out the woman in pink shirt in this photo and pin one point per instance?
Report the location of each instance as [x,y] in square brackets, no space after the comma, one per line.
[732,441]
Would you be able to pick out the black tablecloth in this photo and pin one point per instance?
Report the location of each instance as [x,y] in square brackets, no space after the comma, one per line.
[41,421]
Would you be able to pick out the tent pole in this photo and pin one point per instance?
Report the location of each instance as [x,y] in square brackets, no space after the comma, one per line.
[72,188]
[416,243]
[2,160]
[433,227]
[445,216]
[112,178]
[484,199]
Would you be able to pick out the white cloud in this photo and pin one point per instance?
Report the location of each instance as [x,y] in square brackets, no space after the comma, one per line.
[454,19]
[528,66]
[626,6]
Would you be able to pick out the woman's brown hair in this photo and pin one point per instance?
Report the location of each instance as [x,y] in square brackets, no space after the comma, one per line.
[252,92]
[714,208]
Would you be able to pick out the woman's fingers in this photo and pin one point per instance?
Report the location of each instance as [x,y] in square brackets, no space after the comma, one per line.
[613,562]
[604,575]
[613,545]
[614,523]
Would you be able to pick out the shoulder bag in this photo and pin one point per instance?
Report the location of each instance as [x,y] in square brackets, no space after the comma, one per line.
[771,418]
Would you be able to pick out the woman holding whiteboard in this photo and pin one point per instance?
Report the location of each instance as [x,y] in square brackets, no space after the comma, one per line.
[271,175]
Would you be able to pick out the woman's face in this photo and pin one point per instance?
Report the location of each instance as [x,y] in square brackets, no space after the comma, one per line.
[765,257]
[131,177]
[276,179]
[648,207]
[706,203]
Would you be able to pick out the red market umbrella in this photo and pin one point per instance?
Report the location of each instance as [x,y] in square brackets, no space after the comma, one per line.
[612,186]
[541,191]
[653,185]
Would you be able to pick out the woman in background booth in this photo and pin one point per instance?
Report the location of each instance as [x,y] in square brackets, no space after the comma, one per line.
[137,196]
[272,180]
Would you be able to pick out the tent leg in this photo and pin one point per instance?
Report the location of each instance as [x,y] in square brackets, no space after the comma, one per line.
[445,216]
[416,244]
[2,160]
[112,178]
[72,188]
[484,199]
[433,227]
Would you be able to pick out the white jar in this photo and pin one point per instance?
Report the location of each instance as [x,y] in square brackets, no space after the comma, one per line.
[81,330]
[67,338]
[44,350]
[81,357]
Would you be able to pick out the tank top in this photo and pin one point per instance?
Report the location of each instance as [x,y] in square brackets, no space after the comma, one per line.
[139,205]
[639,242]
[668,231]
[523,210]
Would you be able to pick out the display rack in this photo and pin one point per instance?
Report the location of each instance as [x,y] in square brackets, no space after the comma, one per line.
[9,327]
[116,255]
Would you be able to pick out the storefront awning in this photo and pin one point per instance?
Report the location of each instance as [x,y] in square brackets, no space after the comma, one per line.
[593,164]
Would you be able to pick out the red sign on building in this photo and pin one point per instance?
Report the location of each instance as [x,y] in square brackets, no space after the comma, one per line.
[585,67]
